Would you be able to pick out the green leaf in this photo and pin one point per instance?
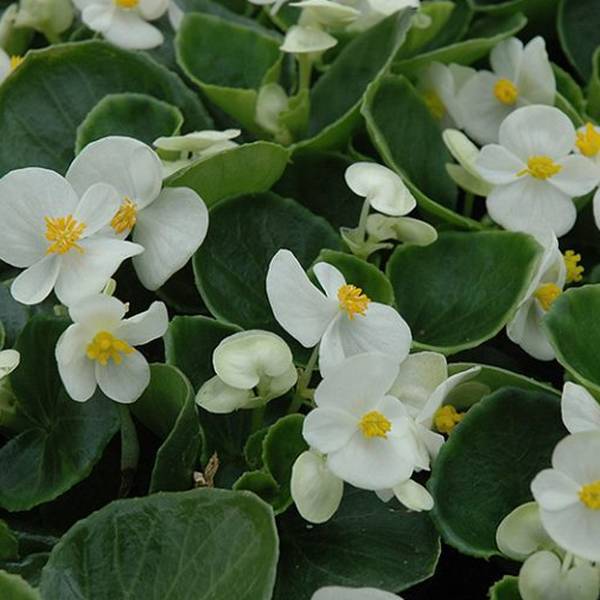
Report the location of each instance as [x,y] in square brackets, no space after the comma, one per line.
[245,233]
[485,468]
[68,438]
[68,80]
[578,25]
[9,545]
[571,324]
[367,543]
[247,169]
[167,408]
[131,115]
[229,61]
[202,544]
[335,99]
[360,273]
[14,587]
[506,589]
[593,101]
[449,293]
[569,88]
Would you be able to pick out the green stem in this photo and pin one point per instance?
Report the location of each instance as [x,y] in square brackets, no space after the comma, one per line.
[130,450]
[304,71]
[362,222]
[469,199]
[304,382]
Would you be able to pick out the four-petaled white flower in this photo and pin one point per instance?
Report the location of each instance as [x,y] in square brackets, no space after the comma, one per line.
[98,349]
[521,76]
[343,319]
[124,23]
[533,173]
[170,224]
[45,227]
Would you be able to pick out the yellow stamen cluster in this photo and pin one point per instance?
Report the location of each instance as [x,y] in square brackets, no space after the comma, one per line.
[589,494]
[105,346]
[15,61]
[374,424]
[574,269]
[64,233]
[352,300]
[588,141]
[434,104]
[540,167]
[447,418]
[506,92]
[126,217]
[547,294]
[126,4]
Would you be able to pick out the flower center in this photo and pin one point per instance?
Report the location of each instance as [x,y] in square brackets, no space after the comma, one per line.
[447,418]
[15,61]
[352,300]
[506,91]
[547,294]
[374,424]
[540,167]
[125,218]
[64,233]
[434,104]
[588,141]
[105,346]
[574,269]
[589,494]
[126,4]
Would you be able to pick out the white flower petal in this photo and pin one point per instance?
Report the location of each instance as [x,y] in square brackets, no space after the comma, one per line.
[153,9]
[98,312]
[329,278]
[554,490]
[596,205]
[577,456]
[536,81]
[145,326]
[129,30]
[539,577]
[403,229]
[526,330]
[346,593]
[36,282]
[9,361]
[75,369]
[302,40]
[97,207]
[413,495]
[497,165]
[171,229]
[506,58]
[98,17]
[329,429]
[126,382]
[577,177]
[580,410]
[217,397]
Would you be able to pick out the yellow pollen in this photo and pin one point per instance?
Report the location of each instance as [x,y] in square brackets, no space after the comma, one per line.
[106,346]
[64,233]
[447,418]
[589,494]
[540,167]
[15,61]
[588,141]
[574,269]
[126,4]
[126,217]
[374,424]
[434,104]
[352,300]
[547,294]
[506,91]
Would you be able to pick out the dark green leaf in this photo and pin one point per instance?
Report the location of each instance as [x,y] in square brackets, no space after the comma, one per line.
[506,589]
[9,545]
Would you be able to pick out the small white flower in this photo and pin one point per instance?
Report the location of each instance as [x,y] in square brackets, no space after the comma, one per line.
[316,491]
[99,348]
[304,39]
[346,593]
[170,224]
[568,495]
[533,173]
[57,237]
[580,410]
[245,361]
[9,361]
[124,23]
[51,17]
[361,429]
[521,76]
[343,319]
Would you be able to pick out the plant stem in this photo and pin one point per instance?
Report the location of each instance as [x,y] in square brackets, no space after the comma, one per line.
[130,450]
[304,71]
[362,222]
[304,382]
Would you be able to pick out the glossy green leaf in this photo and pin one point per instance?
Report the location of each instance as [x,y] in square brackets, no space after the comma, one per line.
[506,589]
[203,544]
[247,169]
[245,233]
[14,587]
[367,543]
[131,115]
[593,91]
[67,438]
[449,293]
[485,468]
[68,80]
[569,88]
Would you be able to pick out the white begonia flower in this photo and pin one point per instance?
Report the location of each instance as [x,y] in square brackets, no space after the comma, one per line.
[440,85]
[316,491]
[361,429]
[51,17]
[326,13]
[381,187]
[588,144]
[57,237]
[410,494]
[402,229]
[125,23]
[270,103]
[526,328]
[580,410]
[343,319]
[374,11]
[522,76]
[8,64]
[99,348]
[244,361]
[302,39]
[569,495]
[9,361]
[533,173]
[346,593]
[170,224]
